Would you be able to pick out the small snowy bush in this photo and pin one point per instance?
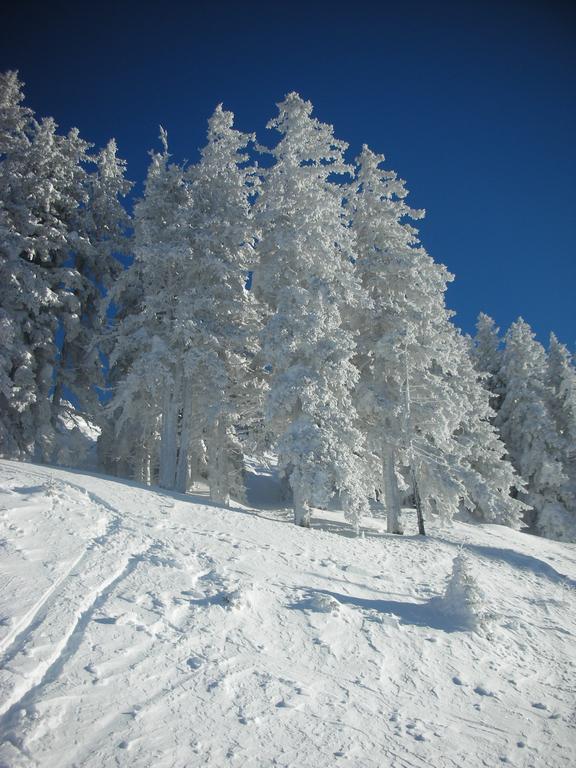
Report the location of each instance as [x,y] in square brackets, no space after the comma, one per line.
[463,601]
[324,604]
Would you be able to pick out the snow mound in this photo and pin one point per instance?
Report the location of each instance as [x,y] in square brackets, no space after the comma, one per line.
[321,603]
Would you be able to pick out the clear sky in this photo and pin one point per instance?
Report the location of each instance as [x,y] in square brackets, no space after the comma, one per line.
[473,103]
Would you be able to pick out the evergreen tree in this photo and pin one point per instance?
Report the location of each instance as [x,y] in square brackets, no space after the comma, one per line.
[527,426]
[141,369]
[306,280]
[53,265]
[99,237]
[561,379]
[192,340]
[487,357]
[25,296]
[42,192]
[220,315]
[422,406]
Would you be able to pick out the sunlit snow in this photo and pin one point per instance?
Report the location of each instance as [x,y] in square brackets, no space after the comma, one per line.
[146,628]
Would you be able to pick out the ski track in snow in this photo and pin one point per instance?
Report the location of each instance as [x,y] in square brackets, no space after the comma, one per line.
[184,635]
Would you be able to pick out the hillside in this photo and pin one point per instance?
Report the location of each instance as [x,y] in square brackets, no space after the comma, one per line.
[142,628]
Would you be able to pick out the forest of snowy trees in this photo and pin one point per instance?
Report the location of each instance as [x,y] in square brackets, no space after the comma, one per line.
[277,301]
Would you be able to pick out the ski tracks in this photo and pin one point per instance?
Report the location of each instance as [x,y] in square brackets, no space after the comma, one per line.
[37,648]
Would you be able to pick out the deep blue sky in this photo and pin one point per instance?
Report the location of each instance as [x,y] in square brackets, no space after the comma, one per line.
[473,103]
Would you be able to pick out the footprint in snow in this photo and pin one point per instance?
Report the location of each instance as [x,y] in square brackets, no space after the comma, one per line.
[481,691]
[413,730]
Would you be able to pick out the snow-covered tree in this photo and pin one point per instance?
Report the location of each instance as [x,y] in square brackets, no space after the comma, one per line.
[463,604]
[423,409]
[487,353]
[52,268]
[141,372]
[306,280]
[192,341]
[98,238]
[25,296]
[487,356]
[42,193]
[528,428]
[561,379]
[220,314]
[487,475]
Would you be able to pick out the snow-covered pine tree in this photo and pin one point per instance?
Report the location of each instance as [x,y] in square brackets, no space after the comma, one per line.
[219,314]
[43,190]
[487,475]
[99,236]
[142,371]
[53,266]
[423,409]
[561,381]
[528,428]
[487,353]
[463,603]
[192,340]
[306,280]
[126,443]
[487,356]
[25,296]
[385,355]
[127,451]
[65,178]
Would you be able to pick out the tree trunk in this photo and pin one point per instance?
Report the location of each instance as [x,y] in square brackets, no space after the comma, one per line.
[218,463]
[146,467]
[418,503]
[183,466]
[391,494]
[223,460]
[168,441]
[56,399]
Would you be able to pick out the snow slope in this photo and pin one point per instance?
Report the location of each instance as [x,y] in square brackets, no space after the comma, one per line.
[142,628]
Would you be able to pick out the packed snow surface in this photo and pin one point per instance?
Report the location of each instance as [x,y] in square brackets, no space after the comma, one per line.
[143,628]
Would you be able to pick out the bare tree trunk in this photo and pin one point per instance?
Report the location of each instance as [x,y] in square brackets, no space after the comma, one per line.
[57,397]
[418,502]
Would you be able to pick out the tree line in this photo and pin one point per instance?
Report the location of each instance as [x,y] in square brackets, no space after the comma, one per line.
[278,300]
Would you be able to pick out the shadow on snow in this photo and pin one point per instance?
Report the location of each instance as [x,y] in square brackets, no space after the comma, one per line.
[522,562]
[431,614]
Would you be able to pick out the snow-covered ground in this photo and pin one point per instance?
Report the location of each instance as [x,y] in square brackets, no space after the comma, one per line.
[142,628]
